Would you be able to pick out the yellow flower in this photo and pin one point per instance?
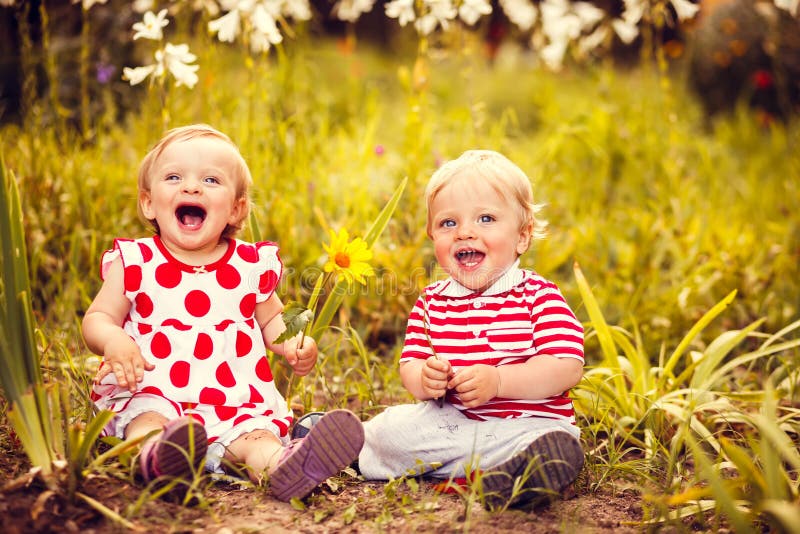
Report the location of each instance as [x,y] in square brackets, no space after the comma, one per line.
[348,258]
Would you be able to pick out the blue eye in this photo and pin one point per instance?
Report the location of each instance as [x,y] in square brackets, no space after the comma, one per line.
[485,218]
[172,177]
[210,180]
[447,223]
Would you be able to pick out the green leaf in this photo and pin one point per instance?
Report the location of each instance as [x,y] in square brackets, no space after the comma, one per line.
[339,291]
[295,318]
[349,514]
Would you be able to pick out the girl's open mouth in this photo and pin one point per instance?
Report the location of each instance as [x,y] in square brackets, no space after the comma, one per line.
[190,216]
[469,257]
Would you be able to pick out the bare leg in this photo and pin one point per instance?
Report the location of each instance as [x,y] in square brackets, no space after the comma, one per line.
[143,424]
[258,450]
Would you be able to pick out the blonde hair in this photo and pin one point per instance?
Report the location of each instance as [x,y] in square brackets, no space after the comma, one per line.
[501,174]
[242,173]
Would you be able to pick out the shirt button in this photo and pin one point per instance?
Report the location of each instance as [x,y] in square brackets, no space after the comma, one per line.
[478,304]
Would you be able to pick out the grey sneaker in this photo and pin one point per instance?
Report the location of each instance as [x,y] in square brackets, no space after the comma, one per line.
[332,444]
[544,468]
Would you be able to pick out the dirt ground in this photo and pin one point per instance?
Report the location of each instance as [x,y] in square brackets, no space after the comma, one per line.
[346,505]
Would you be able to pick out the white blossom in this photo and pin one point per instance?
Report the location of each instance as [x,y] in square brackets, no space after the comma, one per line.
[138,74]
[522,13]
[87,4]
[298,9]
[593,40]
[789,5]
[177,59]
[633,12]
[142,6]
[587,13]
[553,54]
[439,13]
[685,9]
[626,31]
[209,6]
[351,10]
[402,10]
[226,27]
[471,10]
[150,27]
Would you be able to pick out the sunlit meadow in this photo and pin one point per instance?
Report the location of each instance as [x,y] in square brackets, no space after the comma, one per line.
[676,240]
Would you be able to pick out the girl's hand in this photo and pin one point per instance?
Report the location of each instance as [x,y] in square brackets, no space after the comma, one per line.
[122,357]
[303,359]
[476,385]
[434,377]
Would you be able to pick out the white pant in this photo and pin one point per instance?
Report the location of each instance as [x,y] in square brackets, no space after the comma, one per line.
[442,442]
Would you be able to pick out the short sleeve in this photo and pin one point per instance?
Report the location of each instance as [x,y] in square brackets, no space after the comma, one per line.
[122,249]
[417,344]
[269,269]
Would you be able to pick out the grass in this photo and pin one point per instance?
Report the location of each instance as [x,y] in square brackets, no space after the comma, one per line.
[685,236]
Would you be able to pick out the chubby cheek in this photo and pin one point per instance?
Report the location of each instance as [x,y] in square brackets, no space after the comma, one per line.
[442,253]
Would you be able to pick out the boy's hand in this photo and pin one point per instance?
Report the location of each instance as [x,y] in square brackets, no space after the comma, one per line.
[303,359]
[122,357]
[476,385]
[435,373]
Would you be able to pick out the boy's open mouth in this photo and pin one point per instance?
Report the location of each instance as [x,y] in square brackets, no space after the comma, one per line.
[469,257]
[190,216]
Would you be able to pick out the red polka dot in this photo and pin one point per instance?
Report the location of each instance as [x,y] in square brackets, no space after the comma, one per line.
[160,346]
[168,275]
[255,396]
[203,347]
[197,303]
[247,253]
[198,418]
[267,282]
[242,418]
[212,397]
[179,374]
[243,344]
[147,253]
[228,277]
[249,404]
[225,376]
[263,371]
[223,325]
[225,412]
[176,324]
[248,305]
[145,328]
[144,306]
[250,322]
[152,390]
[133,278]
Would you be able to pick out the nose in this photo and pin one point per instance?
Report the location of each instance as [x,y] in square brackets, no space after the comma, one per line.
[465,231]
[191,185]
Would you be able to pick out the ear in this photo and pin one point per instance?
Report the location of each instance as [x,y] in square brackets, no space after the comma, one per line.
[524,241]
[238,210]
[146,205]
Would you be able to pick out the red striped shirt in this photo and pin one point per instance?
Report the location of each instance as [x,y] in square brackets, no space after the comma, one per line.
[520,316]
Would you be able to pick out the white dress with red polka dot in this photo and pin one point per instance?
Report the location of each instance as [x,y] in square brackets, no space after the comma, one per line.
[197,326]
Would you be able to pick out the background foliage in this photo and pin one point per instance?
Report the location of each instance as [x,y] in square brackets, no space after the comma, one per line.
[676,239]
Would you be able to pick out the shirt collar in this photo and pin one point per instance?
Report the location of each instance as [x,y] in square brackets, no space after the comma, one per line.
[512,277]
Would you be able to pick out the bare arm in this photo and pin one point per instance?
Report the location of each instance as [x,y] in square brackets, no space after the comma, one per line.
[270,320]
[426,379]
[103,333]
[537,378]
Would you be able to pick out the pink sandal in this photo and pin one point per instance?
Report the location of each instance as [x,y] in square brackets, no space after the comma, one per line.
[178,452]
[332,444]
